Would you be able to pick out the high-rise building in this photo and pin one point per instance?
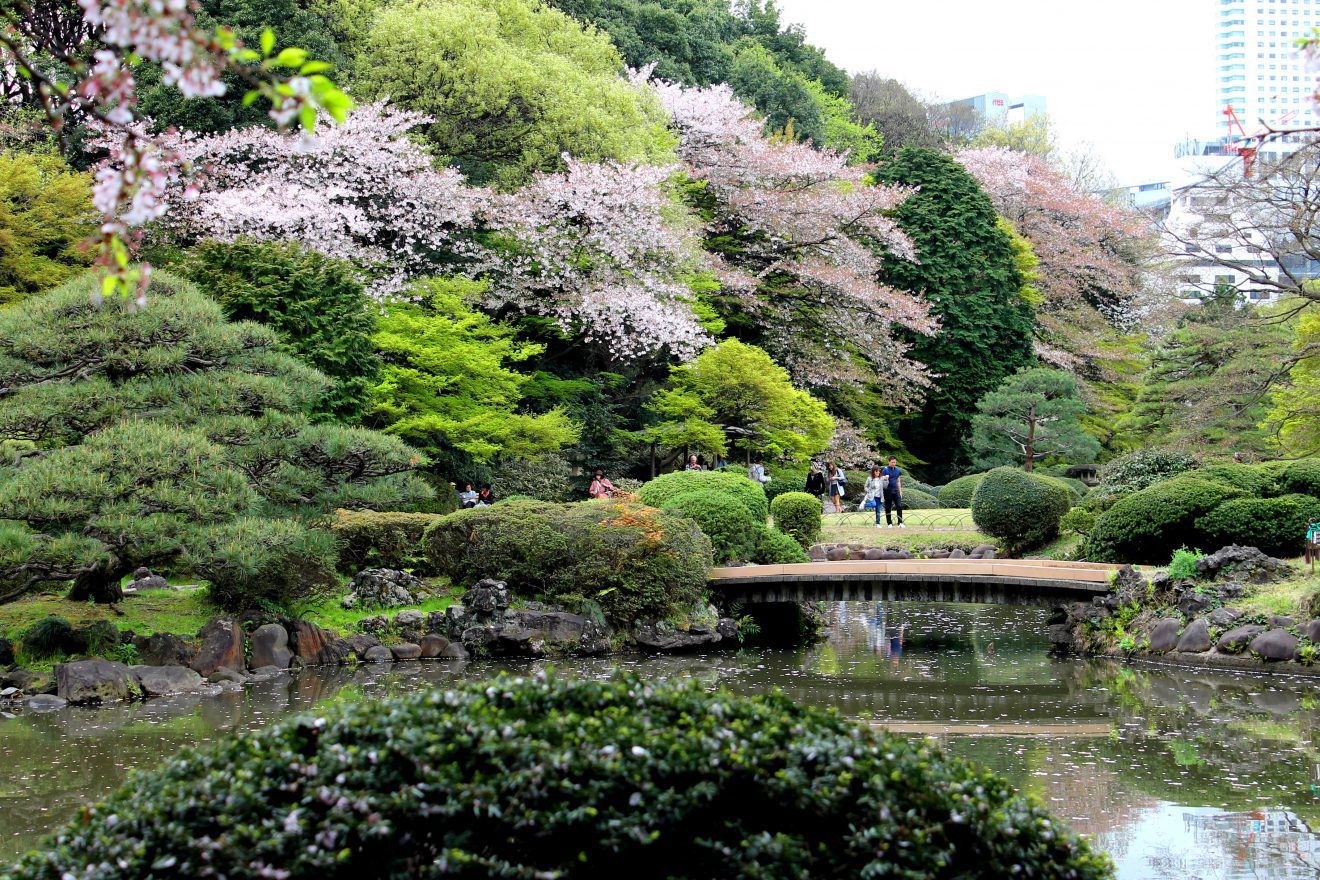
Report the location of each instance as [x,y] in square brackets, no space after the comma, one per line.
[1261,75]
[997,108]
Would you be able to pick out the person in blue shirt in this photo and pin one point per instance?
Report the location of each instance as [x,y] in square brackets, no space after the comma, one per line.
[893,493]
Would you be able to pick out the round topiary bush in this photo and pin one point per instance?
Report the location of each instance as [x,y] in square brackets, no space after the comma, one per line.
[568,779]
[1144,467]
[773,547]
[799,515]
[1021,509]
[915,499]
[380,539]
[1145,527]
[1301,477]
[1276,526]
[958,493]
[666,486]
[635,562]
[731,527]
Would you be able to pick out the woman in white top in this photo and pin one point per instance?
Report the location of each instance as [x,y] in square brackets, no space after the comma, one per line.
[875,488]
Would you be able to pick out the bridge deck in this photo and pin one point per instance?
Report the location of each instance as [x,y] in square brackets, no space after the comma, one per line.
[998,581]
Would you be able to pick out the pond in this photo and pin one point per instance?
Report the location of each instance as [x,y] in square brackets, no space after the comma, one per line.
[1177,773]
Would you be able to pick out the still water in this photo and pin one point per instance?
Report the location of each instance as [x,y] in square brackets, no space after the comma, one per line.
[1176,773]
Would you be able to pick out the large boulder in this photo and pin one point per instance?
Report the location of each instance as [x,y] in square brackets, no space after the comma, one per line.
[382,588]
[1239,563]
[379,654]
[433,646]
[143,579]
[221,647]
[487,599]
[362,643]
[164,649]
[406,651]
[1223,617]
[307,640]
[95,681]
[270,647]
[408,620]
[162,681]
[1312,632]
[1196,638]
[29,681]
[6,652]
[335,653]
[555,627]
[1275,644]
[1129,586]
[660,639]
[1164,636]
[1237,639]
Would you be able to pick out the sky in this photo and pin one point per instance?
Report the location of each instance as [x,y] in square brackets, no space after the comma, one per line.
[1132,78]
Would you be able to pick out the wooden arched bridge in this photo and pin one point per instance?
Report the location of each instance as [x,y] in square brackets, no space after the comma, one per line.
[989,581]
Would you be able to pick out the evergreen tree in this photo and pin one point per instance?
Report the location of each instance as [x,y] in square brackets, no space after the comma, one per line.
[968,272]
[1034,415]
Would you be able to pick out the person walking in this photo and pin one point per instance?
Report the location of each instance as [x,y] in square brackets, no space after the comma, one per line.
[838,482]
[693,464]
[893,493]
[600,487]
[874,491]
[816,482]
[756,473]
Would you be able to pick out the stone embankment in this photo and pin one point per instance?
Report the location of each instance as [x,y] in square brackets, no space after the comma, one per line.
[1192,621]
[229,652]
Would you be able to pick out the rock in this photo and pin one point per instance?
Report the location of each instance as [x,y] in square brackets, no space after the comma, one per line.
[1222,617]
[1129,586]
[307,640]
[225,675]
[1193,603]
[143,579]
[382,588]
[1236,562]
[1312,632]
[406,651]
[817,552]
[455,651]
[836,554]
[221,647]
[266,673]
[456,621]
[94,681]
[1233,641]
[408,619]
[29,681]
[6,652]
[378,625]
[984,551]
[361,644]
[1196,638]
[164,649]
[874,554]
[1281,621]
[270,647]
[905,554]
[1061,636]
[557,627]
[335,653]
[45,703]
[650,637]
[957,553]
[436,623]
[379,654]
[727,628]
[1165,635]
[1276,644]
[432,646]
[161,681]
[938,554]
[487,599]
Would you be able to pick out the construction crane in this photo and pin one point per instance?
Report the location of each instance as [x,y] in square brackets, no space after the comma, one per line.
[1246,146]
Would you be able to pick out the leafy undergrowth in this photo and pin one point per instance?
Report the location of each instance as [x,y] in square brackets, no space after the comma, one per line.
[327,611]
[1063,548]
[1298,598]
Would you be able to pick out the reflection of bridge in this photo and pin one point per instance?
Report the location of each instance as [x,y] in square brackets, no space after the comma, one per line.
[994,582]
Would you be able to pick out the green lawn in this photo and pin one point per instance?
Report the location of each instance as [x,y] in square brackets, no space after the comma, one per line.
[922,530]
[146,612]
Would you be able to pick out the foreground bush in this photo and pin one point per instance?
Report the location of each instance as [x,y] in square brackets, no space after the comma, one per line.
[380,539]
[1276,526]
[731,527]
[666,486]
[799,515]
[773,547]
[1020,508]
[253,562]
[1145,527]
[569,779]
[958,493]
[635,562]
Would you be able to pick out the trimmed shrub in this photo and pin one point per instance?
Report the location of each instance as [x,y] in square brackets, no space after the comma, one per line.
[773,547]
[915,499]
[1079,521]
[1251,479]
[784,480]
[1145,527]
[730,526]
[417,779]
[909,484]
[1075,493]
[1301,477]
[1144,467]
[666,486]
[1022,509]
[547,478]
[958,493]
[798,515]
[635,562]
[376,539]
[252,562]
[1276,526]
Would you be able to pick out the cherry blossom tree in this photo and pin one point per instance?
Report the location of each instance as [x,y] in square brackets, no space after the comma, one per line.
[799,236]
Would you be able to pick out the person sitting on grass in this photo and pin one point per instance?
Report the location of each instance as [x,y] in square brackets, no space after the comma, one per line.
[601,487]
[468,497]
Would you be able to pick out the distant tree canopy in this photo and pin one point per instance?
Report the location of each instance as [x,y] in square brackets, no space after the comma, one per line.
[511,86]
[901,119]
[1294,418]
[968,272]
[45,217]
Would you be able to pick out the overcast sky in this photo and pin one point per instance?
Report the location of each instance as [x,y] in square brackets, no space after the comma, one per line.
[1132,77]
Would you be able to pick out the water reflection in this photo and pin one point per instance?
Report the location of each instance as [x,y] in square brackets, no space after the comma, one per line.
[1177,773]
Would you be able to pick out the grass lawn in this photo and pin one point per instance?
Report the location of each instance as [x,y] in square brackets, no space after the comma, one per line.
[922,530]
[1296,598]
[146,612]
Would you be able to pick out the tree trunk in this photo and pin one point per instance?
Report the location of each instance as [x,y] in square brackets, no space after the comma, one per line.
[100,585]
[653,459]
[1031,438]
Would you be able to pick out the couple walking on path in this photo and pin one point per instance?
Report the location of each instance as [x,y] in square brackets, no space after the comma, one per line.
[885,487]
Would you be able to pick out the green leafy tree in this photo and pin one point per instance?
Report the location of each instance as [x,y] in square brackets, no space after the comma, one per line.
[449,380]
[736,397]
[1034,415]
[968,271]
[900,118]
[1294,416]
[143,425]
[45,215]
[317,305]
[511,85]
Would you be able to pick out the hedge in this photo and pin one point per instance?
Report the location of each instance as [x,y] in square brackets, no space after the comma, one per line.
[253,562]
[915,499]
[570,779]
[773,547]
[374,539]
[1301,477]
[1251,479]
[799,515]
[666,486]
[635,562]
[1276,526]
[958,493]
[1145,527]
[1022,509]
[731,527]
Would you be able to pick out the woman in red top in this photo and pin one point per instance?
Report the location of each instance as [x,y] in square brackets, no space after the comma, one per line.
[601,487]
